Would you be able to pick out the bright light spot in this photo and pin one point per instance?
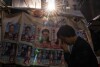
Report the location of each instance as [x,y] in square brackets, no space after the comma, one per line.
[50,5]
[34,4]
[31,6]
[67,7]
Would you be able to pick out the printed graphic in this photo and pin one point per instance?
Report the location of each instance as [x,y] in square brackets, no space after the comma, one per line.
[24,54]
[11,31]
[8,52]
[28,33]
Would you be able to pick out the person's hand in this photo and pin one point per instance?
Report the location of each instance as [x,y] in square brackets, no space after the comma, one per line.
[64,46]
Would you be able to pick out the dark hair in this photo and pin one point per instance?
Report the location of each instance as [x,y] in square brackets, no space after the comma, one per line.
[45,30]
[27,27]
[65,31]
[11,25]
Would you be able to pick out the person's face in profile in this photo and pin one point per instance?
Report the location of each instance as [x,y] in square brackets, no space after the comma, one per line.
[68,40]
[11,29]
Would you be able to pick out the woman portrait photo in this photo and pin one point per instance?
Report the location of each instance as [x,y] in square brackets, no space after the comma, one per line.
[28,55]
[28,33]
[12,52]
[24,54]
[45,39]
[11,31]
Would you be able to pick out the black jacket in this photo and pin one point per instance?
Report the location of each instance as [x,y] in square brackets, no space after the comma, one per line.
[81,55]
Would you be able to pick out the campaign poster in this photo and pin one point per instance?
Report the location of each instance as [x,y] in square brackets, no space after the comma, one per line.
[11,31]
[8,52]
[24,54]
[28,32]
[33,56]
[39,57]
[44,38]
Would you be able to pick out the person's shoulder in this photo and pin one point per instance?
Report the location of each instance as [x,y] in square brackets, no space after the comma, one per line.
[81,45]
[82,42]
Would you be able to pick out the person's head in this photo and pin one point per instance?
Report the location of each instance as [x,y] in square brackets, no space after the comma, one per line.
[11,28]
[66,34]
[27,29]
[45,33]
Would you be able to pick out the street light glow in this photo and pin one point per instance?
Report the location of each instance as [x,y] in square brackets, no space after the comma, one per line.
[50,5]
